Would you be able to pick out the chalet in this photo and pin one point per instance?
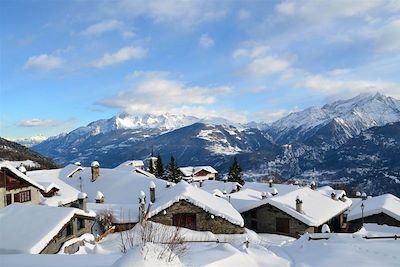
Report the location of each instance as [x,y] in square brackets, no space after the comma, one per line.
[184,205]
[294,213]
[384,209]
[15,186]
[38,229]
[198,173]
[136,166]
[222,186]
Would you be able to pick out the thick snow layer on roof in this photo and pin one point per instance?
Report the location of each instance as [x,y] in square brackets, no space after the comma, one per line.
[29,228]
[48,186]
[245,199]
[95,164]
[211,185]
[20,175]
[200,198]
[66,193]
[387,203]
[122,213]
[317,208]
[264,187]
[192,170]
[327,191]
[118,187]
[126,166]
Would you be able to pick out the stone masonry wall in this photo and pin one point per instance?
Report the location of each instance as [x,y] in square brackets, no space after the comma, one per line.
[204,222]
[264,217]
[380,218]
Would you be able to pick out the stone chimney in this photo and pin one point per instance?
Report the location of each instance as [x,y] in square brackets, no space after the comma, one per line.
[152,187]
[95,170]
[270,182]
[22,169]
[299,205]
[82,200]
[225,179]
[142,198]
[99,197]
[263,195]
[313,186]
[274,191]
[364,196]
[333,195]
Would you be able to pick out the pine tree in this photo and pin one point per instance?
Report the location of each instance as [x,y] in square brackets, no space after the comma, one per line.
[173,171]
[159,173]
[235,172]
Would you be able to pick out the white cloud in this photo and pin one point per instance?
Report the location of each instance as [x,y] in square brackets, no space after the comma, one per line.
[244,14]
[160,95]
[102,27]
[339,72]
[43,62]
[251,49]
[122,55]
[267,66]
[332,86]
[206,41]
[327,10]
[387,39]
[38,123]
[139,74]
[271,116]
[181,13]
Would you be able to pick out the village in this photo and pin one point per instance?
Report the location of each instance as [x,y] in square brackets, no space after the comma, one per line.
[79,210]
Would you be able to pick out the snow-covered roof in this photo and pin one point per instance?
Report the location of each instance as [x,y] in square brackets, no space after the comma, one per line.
[29,228]
[245,199]
[66,193]
[211,185]
[327,191]
[192,170]
[127,166]
[118,186]
[20,175]
[200,198]
[48,186]
[99,195]
[317,208]
[387,203]
[264,187]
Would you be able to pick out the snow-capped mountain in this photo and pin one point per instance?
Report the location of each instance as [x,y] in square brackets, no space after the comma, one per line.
[348,117]
[29,142]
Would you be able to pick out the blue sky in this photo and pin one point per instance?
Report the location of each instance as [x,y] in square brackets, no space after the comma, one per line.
[64,64]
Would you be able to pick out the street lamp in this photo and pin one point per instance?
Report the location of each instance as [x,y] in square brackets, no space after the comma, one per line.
[362,214]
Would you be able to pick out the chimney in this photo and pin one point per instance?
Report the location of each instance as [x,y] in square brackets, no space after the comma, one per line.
[224,192]
[333,195]
[225,179]
[82,200]
[95,170]
[364,196]
[274,191]
[313,186]
[201,183]
[263,195]
[270,182]
[142,198]
[168,184]
[358,194]
[22,169]
[299,205]
[152,192]
[99,197]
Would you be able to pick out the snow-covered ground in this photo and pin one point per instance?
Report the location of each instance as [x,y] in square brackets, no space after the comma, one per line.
[263,250]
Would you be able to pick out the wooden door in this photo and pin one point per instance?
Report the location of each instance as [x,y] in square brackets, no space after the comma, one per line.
[282,225]
[187,220]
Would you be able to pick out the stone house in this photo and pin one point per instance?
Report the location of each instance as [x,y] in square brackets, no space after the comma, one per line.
[38,229]
[294,213]
[384,209]
[15,187]
[198,173]
[184,205]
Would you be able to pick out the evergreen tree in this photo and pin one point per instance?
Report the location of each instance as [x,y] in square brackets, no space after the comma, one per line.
[173,171]
[159,173]
[235,172]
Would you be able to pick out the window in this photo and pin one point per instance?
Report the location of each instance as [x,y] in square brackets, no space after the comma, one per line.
[23,196]
[69,229]
[187,220]
[80,223]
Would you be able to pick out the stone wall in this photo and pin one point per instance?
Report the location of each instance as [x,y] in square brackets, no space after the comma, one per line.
[263,220]
[35,195]
[204,222]
[56,243]
[380,218]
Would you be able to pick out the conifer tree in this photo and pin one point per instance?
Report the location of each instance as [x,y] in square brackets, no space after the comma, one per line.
[159,173]
[173,171]
[235,172]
